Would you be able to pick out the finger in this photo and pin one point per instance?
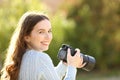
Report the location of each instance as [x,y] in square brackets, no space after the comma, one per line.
[78,50]
[81,58]
[77,53]
[65,63]
[68,52]
[82,65]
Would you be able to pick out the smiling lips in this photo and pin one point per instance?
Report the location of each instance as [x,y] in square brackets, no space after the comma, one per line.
[45,43]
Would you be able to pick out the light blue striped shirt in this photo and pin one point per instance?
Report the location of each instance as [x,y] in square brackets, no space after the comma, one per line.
[37,65]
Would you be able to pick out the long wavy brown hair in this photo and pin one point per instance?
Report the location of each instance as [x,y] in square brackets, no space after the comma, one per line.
[18,45]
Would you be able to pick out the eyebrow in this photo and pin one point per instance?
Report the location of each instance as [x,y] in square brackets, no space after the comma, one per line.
[43,29]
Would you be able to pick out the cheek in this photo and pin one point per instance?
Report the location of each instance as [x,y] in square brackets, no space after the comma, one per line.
[51,37]
[34,39]
[35,42]
[37,38]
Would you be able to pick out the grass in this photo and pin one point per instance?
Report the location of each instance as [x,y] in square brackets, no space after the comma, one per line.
[108,75]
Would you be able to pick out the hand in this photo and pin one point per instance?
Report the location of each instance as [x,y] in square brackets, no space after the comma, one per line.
[75,60]
[81,64]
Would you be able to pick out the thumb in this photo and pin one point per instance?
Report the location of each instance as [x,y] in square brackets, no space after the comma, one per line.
[68,52]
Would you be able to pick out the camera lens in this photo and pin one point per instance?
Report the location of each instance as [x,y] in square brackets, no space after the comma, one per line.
[90,62]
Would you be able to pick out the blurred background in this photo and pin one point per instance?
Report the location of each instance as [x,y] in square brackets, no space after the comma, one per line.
[91,25]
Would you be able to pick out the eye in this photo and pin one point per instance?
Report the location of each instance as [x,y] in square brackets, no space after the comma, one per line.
[41,32]
[50,31]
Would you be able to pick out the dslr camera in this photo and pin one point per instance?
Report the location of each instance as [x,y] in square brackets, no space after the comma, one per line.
[89,60]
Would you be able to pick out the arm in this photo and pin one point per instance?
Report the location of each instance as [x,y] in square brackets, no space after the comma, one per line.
[50,73]
[61,69]
[71,73]
[73,62]
[38,66]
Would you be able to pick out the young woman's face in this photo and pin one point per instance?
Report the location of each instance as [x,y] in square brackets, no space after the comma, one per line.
[40,37]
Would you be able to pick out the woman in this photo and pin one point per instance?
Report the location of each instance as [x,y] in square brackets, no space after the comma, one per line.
[25,58]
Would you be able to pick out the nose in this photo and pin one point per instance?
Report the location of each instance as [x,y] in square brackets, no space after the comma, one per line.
[48,36]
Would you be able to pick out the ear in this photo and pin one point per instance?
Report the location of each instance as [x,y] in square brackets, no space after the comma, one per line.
[27,38]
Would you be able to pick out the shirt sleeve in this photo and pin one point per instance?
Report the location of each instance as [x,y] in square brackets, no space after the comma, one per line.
[46,68]
[71,73]
[49,72]
[61,69]
[39,66]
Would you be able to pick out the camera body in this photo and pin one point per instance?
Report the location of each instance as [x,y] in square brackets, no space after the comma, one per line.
[89,60]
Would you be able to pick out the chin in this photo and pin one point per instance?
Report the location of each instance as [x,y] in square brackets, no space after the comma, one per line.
[45,49]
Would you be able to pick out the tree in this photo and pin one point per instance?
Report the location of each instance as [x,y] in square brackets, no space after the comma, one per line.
[96,30]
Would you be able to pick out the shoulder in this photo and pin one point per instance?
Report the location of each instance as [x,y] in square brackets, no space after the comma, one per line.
[36,55]
[33,62]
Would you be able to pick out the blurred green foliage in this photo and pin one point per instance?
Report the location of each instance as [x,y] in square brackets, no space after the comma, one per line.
[10,12]
[91,25]
[97,30]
